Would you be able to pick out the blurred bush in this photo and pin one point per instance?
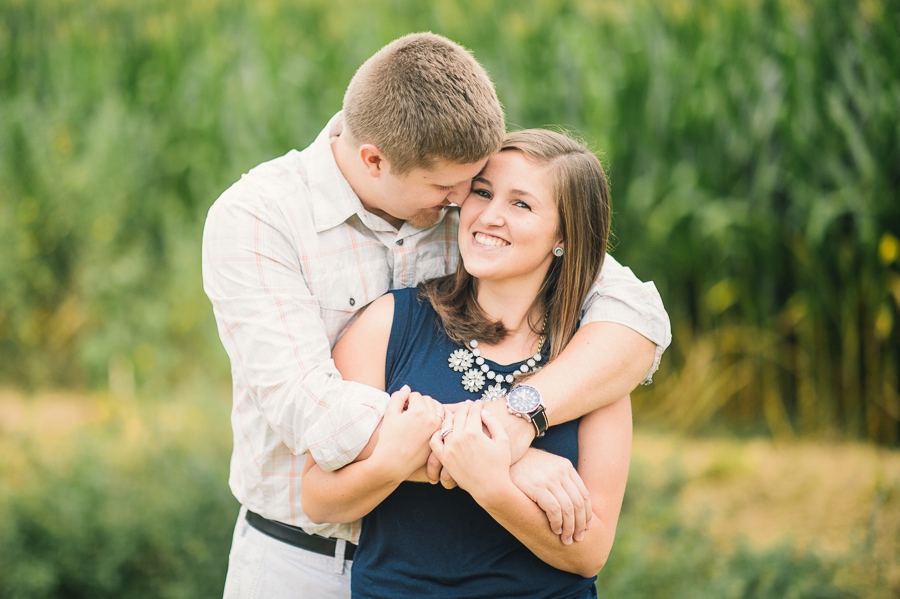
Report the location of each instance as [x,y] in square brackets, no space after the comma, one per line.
[136,505]
[657,555]
[754,152]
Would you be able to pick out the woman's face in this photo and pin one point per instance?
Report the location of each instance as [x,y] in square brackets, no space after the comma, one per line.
[509,224]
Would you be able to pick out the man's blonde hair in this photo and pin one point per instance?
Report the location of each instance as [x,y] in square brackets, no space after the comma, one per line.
[422,99]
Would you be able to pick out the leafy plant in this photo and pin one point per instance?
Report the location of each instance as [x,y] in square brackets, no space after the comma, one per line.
[753,149]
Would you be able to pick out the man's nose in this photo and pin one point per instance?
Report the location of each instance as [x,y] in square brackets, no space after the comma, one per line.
[458,192]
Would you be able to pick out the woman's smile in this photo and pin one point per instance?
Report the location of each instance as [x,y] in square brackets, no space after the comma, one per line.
[489,240]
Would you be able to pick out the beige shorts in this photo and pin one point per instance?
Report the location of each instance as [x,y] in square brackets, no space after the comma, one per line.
[262,567]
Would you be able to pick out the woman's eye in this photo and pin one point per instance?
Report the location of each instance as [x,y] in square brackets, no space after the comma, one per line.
[483,193]
[521,204]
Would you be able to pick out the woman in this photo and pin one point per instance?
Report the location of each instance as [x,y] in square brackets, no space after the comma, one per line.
[532,238]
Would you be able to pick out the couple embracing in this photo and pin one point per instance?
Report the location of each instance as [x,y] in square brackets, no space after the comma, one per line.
[431,352]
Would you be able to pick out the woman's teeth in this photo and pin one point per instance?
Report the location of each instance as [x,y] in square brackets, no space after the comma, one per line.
[490,240]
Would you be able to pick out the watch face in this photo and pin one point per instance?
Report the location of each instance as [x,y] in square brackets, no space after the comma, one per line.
[524,399]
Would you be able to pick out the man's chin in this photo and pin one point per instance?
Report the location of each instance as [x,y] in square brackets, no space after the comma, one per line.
[425,218]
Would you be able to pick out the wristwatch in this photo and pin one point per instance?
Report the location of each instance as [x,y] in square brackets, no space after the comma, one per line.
[525,402]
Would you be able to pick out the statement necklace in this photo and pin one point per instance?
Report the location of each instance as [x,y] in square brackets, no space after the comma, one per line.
[476,372]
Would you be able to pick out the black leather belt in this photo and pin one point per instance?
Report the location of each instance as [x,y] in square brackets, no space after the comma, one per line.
[297,537]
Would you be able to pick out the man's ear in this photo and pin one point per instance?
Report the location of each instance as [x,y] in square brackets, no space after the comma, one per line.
[373,160]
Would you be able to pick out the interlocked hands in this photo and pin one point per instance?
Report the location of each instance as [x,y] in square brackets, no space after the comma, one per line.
[476,454]
[409,422]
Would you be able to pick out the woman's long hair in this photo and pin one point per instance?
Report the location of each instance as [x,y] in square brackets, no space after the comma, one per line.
[582,200]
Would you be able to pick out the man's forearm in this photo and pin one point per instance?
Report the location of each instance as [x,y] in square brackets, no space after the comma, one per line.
[603,363]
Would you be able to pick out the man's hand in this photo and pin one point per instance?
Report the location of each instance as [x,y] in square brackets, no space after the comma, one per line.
[435,472]
[519,430]
[553,483]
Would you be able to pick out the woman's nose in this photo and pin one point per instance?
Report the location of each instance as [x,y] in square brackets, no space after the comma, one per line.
[492,213]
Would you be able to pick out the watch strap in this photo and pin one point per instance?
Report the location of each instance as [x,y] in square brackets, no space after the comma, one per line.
[539,420]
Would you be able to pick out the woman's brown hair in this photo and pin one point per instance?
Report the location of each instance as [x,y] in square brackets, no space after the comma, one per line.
[582,200]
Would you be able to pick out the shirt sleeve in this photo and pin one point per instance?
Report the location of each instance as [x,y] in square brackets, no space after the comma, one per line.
[273,332]
[620,297]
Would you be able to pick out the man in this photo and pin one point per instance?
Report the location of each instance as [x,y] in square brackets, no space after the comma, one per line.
[300,244]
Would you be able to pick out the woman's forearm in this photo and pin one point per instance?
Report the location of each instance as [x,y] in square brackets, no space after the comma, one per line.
[396,452]
[513,510]
[347,494]
[479,461]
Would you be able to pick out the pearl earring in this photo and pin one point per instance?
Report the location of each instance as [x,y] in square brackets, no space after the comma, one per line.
[558,252]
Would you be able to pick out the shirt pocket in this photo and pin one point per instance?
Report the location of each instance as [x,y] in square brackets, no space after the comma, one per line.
[350,289]
[429,268]
[343,292]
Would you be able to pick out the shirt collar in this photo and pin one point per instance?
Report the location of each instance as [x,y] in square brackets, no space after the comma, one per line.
[333,200]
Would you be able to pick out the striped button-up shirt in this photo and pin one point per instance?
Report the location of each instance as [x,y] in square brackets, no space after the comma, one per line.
[290,256]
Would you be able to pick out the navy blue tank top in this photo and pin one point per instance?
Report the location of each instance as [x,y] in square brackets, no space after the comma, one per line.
[427,541]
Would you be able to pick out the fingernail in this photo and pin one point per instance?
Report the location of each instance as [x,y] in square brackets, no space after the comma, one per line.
[558,531]
[567,541]
[579,536]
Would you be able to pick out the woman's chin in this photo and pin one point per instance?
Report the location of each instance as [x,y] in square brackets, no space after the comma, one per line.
[480,268]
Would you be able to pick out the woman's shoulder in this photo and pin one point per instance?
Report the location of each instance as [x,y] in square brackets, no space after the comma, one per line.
[406,294]
[404,305]
[381,307]
[409,302]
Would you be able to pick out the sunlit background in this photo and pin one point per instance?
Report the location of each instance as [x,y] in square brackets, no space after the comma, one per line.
[753,148]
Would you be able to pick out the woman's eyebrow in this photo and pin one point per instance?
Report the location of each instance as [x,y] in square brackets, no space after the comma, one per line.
[522,192]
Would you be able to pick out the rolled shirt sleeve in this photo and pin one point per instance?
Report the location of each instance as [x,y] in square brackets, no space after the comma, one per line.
[618,296]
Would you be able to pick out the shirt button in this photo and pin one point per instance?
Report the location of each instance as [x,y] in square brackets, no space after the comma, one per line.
[399,242]
[352,302]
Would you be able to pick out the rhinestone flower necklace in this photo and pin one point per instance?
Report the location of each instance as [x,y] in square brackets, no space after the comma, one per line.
[476,372]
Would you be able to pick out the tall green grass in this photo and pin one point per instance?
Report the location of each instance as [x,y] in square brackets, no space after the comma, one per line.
[753,149]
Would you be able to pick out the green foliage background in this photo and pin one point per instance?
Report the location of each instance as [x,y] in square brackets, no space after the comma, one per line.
[753,148]
[754,152]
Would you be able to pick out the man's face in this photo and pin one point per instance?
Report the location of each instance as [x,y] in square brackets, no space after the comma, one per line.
[420,196]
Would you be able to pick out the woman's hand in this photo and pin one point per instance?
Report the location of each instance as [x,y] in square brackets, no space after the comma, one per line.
[409,422]
[475,451]
[556,487]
